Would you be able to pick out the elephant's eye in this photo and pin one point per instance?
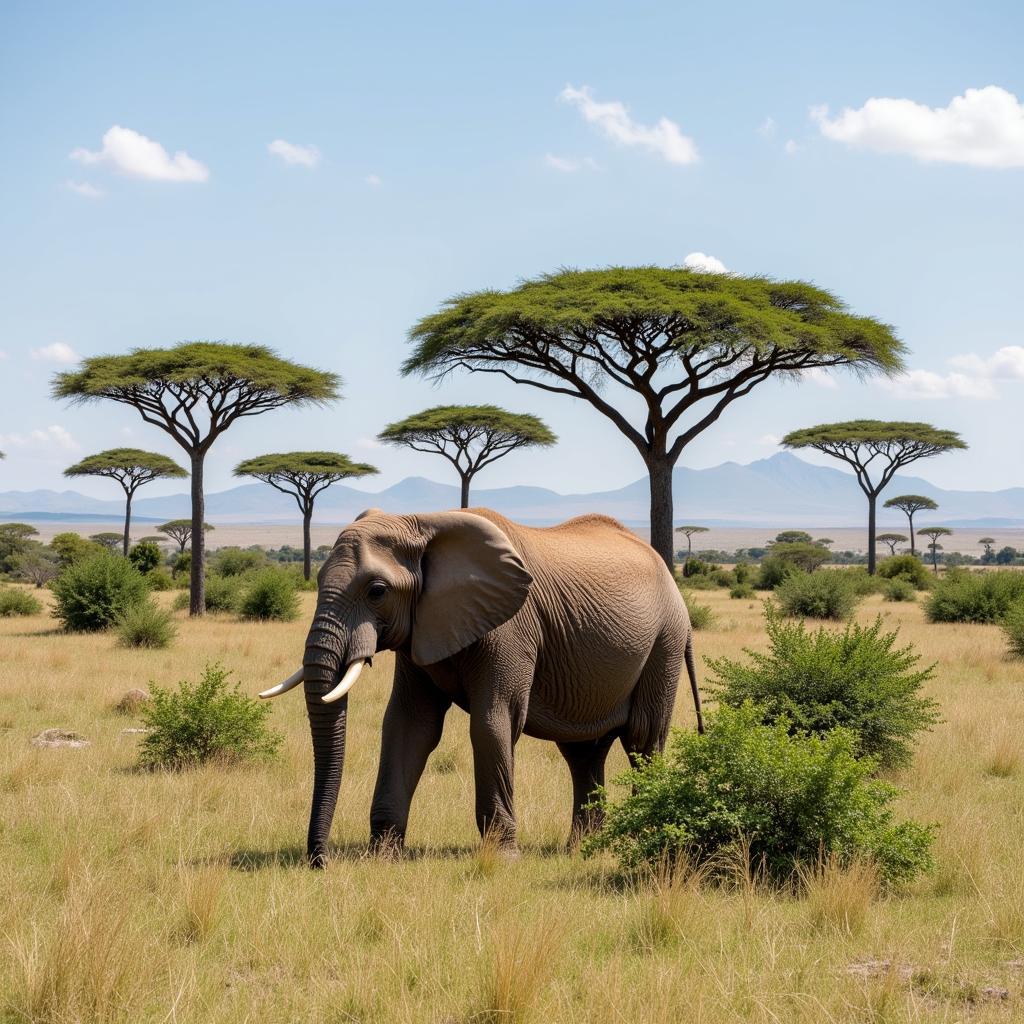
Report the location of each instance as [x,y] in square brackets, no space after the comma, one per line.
[376,590]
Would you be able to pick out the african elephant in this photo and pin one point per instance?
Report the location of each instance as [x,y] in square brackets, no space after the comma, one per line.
[574,633]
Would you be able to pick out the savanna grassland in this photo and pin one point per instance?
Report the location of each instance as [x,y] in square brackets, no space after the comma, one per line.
[184,897]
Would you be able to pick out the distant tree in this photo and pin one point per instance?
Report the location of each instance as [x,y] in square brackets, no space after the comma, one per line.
[677,345]
[987,543]
[15,539]
[689,532]
[303,475]
[875,448]
[908,504]
[470,437]
[825,542]
[935,532]
[1006,556]
[110,541]
[71,547]
[792,537]
[153,539]
[892,539]
[180,531]
[131,468]
[195,391]
[145,556]
[37,564]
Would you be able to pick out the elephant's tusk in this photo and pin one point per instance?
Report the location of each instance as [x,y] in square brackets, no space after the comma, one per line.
[289,684]
[347,682]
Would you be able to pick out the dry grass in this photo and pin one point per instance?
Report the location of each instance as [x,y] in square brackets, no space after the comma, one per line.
[149,897]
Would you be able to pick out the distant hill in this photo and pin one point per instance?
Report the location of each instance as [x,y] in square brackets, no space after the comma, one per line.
[780,490]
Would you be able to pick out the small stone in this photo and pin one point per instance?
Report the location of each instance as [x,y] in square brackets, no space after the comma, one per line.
[994,992]
[130,703]
[59,738]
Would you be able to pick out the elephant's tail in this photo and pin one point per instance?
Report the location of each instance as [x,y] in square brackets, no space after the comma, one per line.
[691,671]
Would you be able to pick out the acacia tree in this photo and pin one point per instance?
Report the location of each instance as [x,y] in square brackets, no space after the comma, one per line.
[908,504]
[303,475]
[892,539]
[987,543]
[876,449]
[195,391]
[131,468]
[470,437]
[683,344]
[688,532]
[180,531]
[934,533]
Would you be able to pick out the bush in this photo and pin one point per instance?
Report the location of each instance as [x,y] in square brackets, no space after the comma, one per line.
[182,564]
[702,616]
[223,594]
[743,572]
[145,556]
[695,567]
[722,578]
[793,799]
[741,591]
[146,625]
[863,582]
[962,596]
[159,579]
[208,721]
[236,562]
[899,588]
[910,567]
[817,681]
[830,594]
[270,595]
[294,573]
[17,602]
[1013,627]
[94,592]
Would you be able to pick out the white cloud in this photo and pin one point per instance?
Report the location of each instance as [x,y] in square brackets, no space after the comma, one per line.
[290,153]
[373,179]
[820,376]
[704,263]
[926,384]
[58,352]
[131,153]
[790,147]
[367,442]
[83,188]
[766,129]
[568,164]
[613,120]
[53,436]
[769,439]
[982,128]
[1006,363]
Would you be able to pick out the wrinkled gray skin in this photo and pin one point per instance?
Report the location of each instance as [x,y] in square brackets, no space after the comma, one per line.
[575,634]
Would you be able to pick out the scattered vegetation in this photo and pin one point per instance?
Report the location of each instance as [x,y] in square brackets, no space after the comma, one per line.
[93,593]
[899,589]
[14,601]
[270,595]
[963,596]
[829,594]
[908,567]
[145,556]
[146,625]
[1013,628]
[702,616]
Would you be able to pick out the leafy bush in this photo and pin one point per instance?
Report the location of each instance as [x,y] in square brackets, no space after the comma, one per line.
[223,594]
[70,548]
[702,616]
[910,567]
[741,591]
[160,579]
[208,721]
[793,799]
[17,602]
[145,556]
[1013,627]
[816,681]
[830,594]
[94,592]
[863,582]
[182,564]
[236,561]
[962,596]
[270,595]
[695,567]
[723,578]
[744,572]
[899,588]
[294,573]
[146,625]
[786,559]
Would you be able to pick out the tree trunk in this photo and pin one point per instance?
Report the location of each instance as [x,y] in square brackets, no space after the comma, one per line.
[689,547]
[659,468]
[127,520]
[197,595]
[910,518]
[465,491]
[307,515]
[871,534]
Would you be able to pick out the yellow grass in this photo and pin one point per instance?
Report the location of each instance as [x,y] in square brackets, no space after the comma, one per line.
[136,898]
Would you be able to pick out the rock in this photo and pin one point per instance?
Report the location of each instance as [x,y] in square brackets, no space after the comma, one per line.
[130,703]
[59,738]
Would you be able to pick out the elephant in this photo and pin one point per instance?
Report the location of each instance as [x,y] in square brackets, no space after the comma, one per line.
[574,633]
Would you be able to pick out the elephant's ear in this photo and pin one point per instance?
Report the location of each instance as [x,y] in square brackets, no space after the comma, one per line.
[473,581]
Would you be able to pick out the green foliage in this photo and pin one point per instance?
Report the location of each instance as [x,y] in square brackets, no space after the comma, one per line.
[857,679]
[270,595]
[744,572]
[236,561]
[159,579]
[145,556]
[1013,628]
[70,547]
[919,439]
[911,503]
[741,591]
[899,588]
[786,559]
[695,567]
[830,594]
[908,567]
[963,596]
[702,616]
[299,582]
[223,594]
[180,531]
[793,799]
[15,540]
[146,625]
[110,541]
[182,564]
[131,465]
[93,593]
[793,537]
[37,563]
[862,581]
[14,601]
[204,722]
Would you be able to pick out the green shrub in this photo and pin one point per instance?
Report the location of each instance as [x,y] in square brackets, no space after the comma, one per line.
[816,681]
[70,548]
[17,602]
[294,573]
[741,591]
[145,556]
[723,578]
[1013,627]
[744,572]
[962,596]
[695,567]
[910,567]
[146,625]
[159,579]
[182,566]
[829,594]
[207,721]
[702,616]
[792,799]
[92,593]
[696,583]
[899,588]
[223,594]
[863,582]
[236,561]
[270,595]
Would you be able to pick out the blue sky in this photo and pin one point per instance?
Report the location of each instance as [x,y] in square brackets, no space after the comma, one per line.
[434,149]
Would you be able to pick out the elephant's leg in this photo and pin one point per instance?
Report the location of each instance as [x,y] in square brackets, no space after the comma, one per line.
[586,765]
[650,713]
[411,730]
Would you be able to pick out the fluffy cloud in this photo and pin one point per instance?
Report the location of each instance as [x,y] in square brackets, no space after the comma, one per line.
[926,384]
[1006,363]
[131,153]
[373,179]
[613,120]
[568,164]
[822,378]
[83,188]
[704,263]
[58,352]
[769,439]
[53,436]
[290,153]
[982,128]
[767,128]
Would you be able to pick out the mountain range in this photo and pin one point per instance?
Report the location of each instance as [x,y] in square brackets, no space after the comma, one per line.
[781,490]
